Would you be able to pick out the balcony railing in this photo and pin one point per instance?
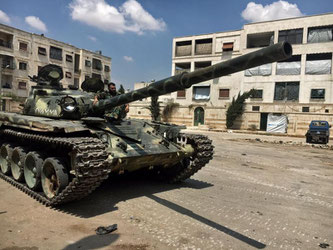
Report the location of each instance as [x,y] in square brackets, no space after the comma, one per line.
[6,44]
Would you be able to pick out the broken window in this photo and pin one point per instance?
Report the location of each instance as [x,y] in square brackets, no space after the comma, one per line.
[291,66]
[96,64]
[317,93]
[22,65]
[22,85]
[320,34]
[292,36]
[257,94]
[288,91]
[181,93]
[69,58]
[224,93]
[23,46]
[41,51]
[318,64]
[203,46]
[201,92]
[68,75]
[262,70]
[184,48]
[260,40]
[55,53]
[87,63]
[200,65]
[182,67]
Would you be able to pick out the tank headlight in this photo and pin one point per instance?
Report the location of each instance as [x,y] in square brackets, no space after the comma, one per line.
[68,104]
[104,138]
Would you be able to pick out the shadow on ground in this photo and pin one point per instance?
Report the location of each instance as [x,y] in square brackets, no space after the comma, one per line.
[114,190]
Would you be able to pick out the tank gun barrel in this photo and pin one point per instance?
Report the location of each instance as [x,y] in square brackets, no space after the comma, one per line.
[273,53]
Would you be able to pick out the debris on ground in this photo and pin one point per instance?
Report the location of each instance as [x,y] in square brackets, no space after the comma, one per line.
[324,245]
[106,230]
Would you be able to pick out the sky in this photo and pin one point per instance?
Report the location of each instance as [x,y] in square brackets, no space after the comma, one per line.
[137,34]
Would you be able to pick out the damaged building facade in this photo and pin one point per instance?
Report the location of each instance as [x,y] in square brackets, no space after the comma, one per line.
[289,94]
[22,54]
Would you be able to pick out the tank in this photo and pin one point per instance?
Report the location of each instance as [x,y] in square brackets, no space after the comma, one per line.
[62,147]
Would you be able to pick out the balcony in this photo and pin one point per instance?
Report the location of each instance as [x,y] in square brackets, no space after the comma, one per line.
[6,40]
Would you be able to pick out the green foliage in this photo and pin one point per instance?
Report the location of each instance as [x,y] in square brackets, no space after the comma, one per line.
[121,89]
[154,108]
[168,109]
[236,107]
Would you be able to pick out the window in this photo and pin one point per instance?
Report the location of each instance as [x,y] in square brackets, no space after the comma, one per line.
[86,77]
[262,70]
[23,46]
[87,63]
[320,34]
[292,36]
[224,93]
[106,68]
[259,40]
[55,53]
[257,94]
[288,91]
[255,108]
[182,67]
[228,47]
[184,48]
[68,75]
[305,109]
[22,85]
[200,65]
[96,64]
[98,76]
[203,46]
[69,58]
[201,92]
[318,64]
[291,66]
[317,93]
[181,93]
[42,51]
[22,66]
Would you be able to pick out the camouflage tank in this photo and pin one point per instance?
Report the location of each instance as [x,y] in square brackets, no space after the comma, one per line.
[62,148]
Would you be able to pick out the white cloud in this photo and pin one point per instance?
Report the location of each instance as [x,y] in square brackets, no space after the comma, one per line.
[277,10]
[4,18]
[36,23]
[128,59]
[128,17]
[92,38]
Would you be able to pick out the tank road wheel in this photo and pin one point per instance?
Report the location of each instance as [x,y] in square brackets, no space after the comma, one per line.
[17,162]
[32,170]
[54,177]
[5,154]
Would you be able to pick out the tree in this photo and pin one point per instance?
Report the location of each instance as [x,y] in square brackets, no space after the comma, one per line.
[154,108]
[236,107]
[170,106]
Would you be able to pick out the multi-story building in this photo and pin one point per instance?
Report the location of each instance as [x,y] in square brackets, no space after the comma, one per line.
[22,54]
[299,89]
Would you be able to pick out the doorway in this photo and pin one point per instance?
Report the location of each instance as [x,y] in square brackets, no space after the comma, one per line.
[263,121]
[199,116]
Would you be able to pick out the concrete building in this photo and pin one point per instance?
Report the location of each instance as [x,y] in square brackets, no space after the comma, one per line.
[299,89]
[22,54]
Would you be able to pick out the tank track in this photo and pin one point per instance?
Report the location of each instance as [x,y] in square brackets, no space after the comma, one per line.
[90,165]
[203,153]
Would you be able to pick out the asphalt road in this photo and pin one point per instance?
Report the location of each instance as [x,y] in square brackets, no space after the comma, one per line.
[251,195]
